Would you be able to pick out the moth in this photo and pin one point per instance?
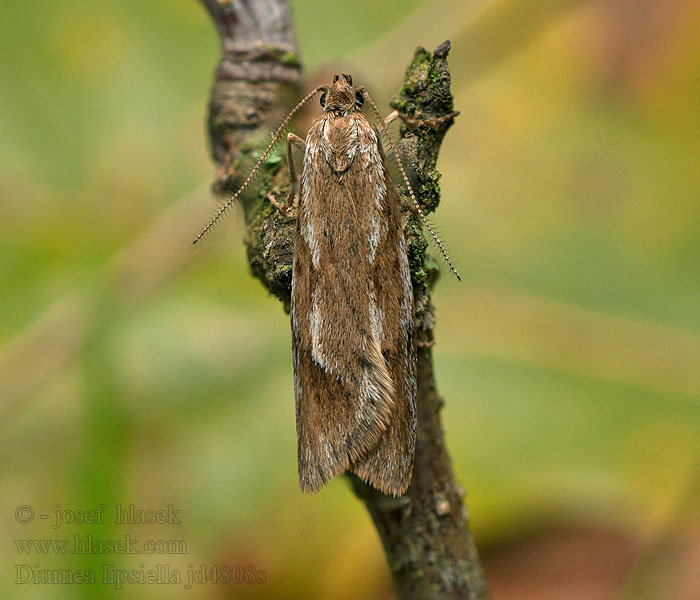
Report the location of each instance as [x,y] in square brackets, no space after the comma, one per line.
[352,313]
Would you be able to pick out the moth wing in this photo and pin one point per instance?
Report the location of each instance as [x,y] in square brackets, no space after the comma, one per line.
[389,465]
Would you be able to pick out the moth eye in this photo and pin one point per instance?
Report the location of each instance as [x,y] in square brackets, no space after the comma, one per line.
[359,99]
[323,99]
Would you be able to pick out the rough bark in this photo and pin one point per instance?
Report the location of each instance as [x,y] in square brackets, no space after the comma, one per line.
[425,532]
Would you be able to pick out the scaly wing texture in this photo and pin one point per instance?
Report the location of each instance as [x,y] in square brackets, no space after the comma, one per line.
[389,465]
[354,363]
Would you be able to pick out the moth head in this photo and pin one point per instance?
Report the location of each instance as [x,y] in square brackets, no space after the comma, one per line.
[342,97]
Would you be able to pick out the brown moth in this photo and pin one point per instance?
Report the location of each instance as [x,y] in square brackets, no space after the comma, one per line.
[352,299]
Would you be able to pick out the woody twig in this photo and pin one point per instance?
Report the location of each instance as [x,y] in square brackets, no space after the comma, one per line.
[425,532]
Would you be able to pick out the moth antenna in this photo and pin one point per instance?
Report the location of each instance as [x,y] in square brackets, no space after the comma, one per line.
[408,185]
[250,177]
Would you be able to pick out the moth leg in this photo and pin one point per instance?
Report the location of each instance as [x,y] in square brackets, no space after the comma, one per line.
[278,205]
[293,140]
[429,344]
[412,123]
[391,117]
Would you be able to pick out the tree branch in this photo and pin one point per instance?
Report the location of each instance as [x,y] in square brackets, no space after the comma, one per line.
[425,532]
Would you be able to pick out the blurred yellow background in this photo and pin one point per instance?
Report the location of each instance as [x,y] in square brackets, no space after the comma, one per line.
[135,370]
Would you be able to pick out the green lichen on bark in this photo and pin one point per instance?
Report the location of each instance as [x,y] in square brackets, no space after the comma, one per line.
[424,96]
[270,234]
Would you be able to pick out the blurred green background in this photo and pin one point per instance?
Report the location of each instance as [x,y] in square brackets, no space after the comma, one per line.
[136,370]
